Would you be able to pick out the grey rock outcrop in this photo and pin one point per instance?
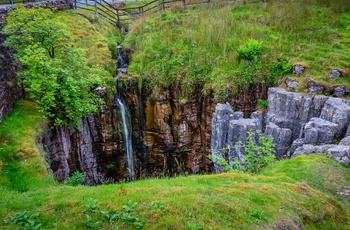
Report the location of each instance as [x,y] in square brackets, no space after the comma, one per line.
[315,89]
[345,141]
[69,151]
[292,110]
[318,130]
[228,132]
[339,91]
[282,138]
[347,132]
[309,149]
[296,144]
[340,153]
[334,74]
[298,70]
[292,84]
[336,110]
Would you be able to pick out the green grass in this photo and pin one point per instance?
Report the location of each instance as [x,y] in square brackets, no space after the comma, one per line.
[96,36]
[22,165]
[199,45]
[304,191]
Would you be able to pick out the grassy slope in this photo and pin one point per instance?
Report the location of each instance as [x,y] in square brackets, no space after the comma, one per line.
[303,191]
[200,44]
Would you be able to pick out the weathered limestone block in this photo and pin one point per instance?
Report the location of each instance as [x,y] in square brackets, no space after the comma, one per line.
[318,130]
[296,144]
[298,70]
[340,153]
[289,110]
[237,115]
[348,132]
[282,138]
[309,149]
[238,133]
[334,74]
[315,89]
[336,110]
[345,141]
[339,91]
[220,127]
[292,84]
[259,115]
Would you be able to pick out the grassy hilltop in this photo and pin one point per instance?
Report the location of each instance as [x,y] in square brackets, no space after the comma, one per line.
[230,45]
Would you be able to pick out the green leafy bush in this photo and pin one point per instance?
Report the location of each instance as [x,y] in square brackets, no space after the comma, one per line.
[25,220]
[250,50]
[259,151]
[260,154]
[75,180]
[55,73]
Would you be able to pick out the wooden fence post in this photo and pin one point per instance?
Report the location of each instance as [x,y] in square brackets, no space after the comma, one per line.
[163,4]
[96,11]
[118,20]
[184,4]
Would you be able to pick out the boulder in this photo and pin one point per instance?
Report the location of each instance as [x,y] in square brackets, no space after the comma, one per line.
[282,138]
[238,115]
[339,91]
[334,74]
[298,70]
[309,149]
[259,115]
[345,141]
[340,153]
[315,89]
[292,84]
[336,110]
[348,132]
[318,130]
[296,144]
[292,110]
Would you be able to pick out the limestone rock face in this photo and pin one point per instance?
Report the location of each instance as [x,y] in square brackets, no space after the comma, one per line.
[318,130]
[309,149]
[229,134]
[292,110]
[345,141]
[336,110]
[282,138]
[340,153]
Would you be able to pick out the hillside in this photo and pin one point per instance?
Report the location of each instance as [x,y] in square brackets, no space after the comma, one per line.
[179,57]
[227,46]
[304,193]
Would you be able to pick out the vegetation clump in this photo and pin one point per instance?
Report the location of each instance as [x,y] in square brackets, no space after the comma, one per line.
[55,73]
[234,45]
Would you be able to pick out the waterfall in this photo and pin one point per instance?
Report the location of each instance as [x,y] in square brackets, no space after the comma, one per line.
[127,135]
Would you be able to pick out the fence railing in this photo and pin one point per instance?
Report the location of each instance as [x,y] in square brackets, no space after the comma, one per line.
[121,17]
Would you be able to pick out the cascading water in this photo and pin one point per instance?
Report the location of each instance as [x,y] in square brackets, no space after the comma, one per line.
[128,143]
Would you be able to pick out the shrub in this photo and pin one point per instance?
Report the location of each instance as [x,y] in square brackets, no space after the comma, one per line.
[25,220]
[260,154]
[250,50]
[55,73]
[75,180]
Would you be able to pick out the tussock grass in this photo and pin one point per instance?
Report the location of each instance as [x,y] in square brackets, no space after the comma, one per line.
[96,36]
[22,164]
[200,44]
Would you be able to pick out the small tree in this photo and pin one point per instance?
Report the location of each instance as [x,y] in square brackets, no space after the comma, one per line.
[259,154]
[55,74]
